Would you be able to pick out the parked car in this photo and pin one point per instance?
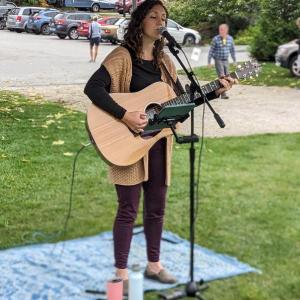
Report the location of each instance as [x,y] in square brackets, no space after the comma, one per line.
[108,20]
[7,4]
[39,23]
[109,32]
[181,34]
[11,4]
[83,28]
[93,5]
[4,11]
[66,24]
[287,57]
[120,8]
[121,30]
[18,17]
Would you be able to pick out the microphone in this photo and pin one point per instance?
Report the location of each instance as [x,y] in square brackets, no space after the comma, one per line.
[172,42]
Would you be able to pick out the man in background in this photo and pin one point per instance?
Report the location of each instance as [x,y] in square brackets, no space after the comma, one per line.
[95,36]
[222,44]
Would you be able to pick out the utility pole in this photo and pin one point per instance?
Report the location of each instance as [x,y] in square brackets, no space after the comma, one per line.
[133,5]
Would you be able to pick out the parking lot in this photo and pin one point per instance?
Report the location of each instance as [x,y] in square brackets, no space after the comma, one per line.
[28,59]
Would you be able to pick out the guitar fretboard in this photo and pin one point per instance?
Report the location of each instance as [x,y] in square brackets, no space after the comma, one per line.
[206,89]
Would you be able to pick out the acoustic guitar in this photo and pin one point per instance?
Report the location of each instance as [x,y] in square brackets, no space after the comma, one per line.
[120,146]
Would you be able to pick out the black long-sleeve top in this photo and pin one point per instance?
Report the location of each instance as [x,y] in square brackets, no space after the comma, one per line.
[144,73]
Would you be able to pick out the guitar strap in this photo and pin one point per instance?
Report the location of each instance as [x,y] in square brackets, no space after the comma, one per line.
[178,89]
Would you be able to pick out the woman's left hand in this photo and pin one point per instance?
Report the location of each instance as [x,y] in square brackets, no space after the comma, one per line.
[227,83]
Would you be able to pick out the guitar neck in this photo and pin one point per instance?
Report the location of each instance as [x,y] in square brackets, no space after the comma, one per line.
[206,89]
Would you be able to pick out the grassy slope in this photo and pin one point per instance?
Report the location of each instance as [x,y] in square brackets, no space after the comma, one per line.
[249,208]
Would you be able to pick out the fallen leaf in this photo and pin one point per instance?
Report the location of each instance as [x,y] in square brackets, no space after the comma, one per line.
[50,122]
[25,160]
[68,154]
[59,142]
[5,109]
[58,115]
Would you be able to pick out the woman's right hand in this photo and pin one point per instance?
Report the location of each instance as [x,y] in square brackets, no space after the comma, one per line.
[135,120]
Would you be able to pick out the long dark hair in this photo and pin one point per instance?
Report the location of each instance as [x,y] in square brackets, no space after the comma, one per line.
[133,35]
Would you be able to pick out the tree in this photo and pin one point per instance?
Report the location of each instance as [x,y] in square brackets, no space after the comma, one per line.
[276,25]
[238,14]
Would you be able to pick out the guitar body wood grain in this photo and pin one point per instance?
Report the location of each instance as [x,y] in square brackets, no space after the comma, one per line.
[115,142]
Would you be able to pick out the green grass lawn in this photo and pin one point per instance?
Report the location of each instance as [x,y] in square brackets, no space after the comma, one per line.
[250,203]
[270,75]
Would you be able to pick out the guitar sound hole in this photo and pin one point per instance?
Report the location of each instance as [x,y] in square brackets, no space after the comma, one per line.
[151,111]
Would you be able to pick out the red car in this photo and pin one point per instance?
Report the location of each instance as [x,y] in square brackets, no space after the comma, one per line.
[128,6]
[83,28]
[108,20]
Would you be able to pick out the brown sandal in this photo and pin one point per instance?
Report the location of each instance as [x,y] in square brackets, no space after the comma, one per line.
[162,276]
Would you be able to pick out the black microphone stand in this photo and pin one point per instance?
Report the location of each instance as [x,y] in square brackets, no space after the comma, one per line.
[192,289]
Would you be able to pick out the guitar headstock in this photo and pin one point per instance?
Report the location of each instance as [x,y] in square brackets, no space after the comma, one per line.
[247,70]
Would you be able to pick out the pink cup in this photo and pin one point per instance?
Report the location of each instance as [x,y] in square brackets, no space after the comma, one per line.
[114,289]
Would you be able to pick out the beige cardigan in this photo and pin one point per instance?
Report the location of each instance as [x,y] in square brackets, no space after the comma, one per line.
[119,66]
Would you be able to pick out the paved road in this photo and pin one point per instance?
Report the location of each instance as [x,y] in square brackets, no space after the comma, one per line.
[28,59]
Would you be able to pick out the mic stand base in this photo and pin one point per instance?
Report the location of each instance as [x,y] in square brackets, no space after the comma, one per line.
[192,290]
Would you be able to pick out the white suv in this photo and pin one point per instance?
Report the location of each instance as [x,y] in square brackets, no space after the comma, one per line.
[181,34]
[18,17]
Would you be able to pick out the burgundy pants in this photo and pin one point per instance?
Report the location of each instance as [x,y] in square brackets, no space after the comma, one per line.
[154,205]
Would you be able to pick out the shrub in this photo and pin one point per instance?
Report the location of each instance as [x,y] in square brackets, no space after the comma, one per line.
[246,36]
[276,25]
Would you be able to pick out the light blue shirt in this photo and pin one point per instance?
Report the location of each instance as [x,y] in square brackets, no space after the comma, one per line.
[96,29]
